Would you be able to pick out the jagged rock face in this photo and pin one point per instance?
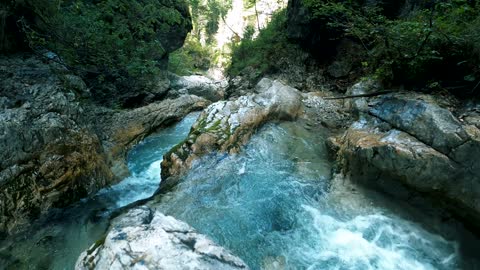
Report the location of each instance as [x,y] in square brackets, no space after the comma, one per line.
[49,156]
[225,126]
[146,239]
[410,139]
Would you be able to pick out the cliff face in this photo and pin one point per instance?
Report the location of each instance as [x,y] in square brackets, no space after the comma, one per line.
[49,155]
[120,49]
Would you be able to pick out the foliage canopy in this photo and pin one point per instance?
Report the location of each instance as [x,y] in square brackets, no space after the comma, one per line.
[120,42]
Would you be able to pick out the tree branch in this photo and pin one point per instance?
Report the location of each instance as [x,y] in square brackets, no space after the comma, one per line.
[377,93]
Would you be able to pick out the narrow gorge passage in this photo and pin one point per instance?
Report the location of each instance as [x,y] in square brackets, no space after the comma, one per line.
[274,205]
[56,242]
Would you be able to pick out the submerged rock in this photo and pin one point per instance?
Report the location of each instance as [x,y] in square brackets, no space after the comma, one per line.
[411,140]
[225,126]
[146,239]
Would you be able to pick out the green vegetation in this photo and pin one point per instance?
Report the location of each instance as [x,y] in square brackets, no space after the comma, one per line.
[262,52]
[200,51]
[120,42]
[438,41]
[193,57]
[434,43]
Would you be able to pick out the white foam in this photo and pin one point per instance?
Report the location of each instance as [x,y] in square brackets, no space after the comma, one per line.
[346,241]
[242,169]
[138,186]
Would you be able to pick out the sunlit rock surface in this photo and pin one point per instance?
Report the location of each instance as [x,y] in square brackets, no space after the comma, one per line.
[415,141]
[146,239]
[226,125]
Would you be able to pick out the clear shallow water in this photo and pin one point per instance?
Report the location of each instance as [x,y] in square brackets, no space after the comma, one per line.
[274,205]
[57,241]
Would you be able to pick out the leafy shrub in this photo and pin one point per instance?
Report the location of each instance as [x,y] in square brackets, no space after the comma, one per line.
[193,57]
[262,52]
[114,41]
[432,42]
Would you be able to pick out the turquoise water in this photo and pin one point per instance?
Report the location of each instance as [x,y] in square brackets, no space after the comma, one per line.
[274,204]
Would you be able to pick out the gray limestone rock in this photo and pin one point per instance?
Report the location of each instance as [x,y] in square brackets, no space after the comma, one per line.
[225,126]
[144,238]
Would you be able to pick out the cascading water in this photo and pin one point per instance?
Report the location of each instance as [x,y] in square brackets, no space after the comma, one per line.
[56,243]
[274,205]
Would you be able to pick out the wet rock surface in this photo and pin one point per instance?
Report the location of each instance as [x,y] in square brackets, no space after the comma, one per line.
[120,130]
[144,238]
[417,141]
[225,126]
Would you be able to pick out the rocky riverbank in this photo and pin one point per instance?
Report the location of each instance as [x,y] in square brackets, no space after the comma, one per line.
[407,144]
[57,146]
[410,142]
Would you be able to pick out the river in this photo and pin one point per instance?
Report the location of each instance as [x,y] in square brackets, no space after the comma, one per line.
[274,205]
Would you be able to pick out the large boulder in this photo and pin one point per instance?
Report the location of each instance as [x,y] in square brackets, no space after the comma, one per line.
[422,118]
[196,85]
[410,140]
[146,239]
[225,126]
[49,155]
